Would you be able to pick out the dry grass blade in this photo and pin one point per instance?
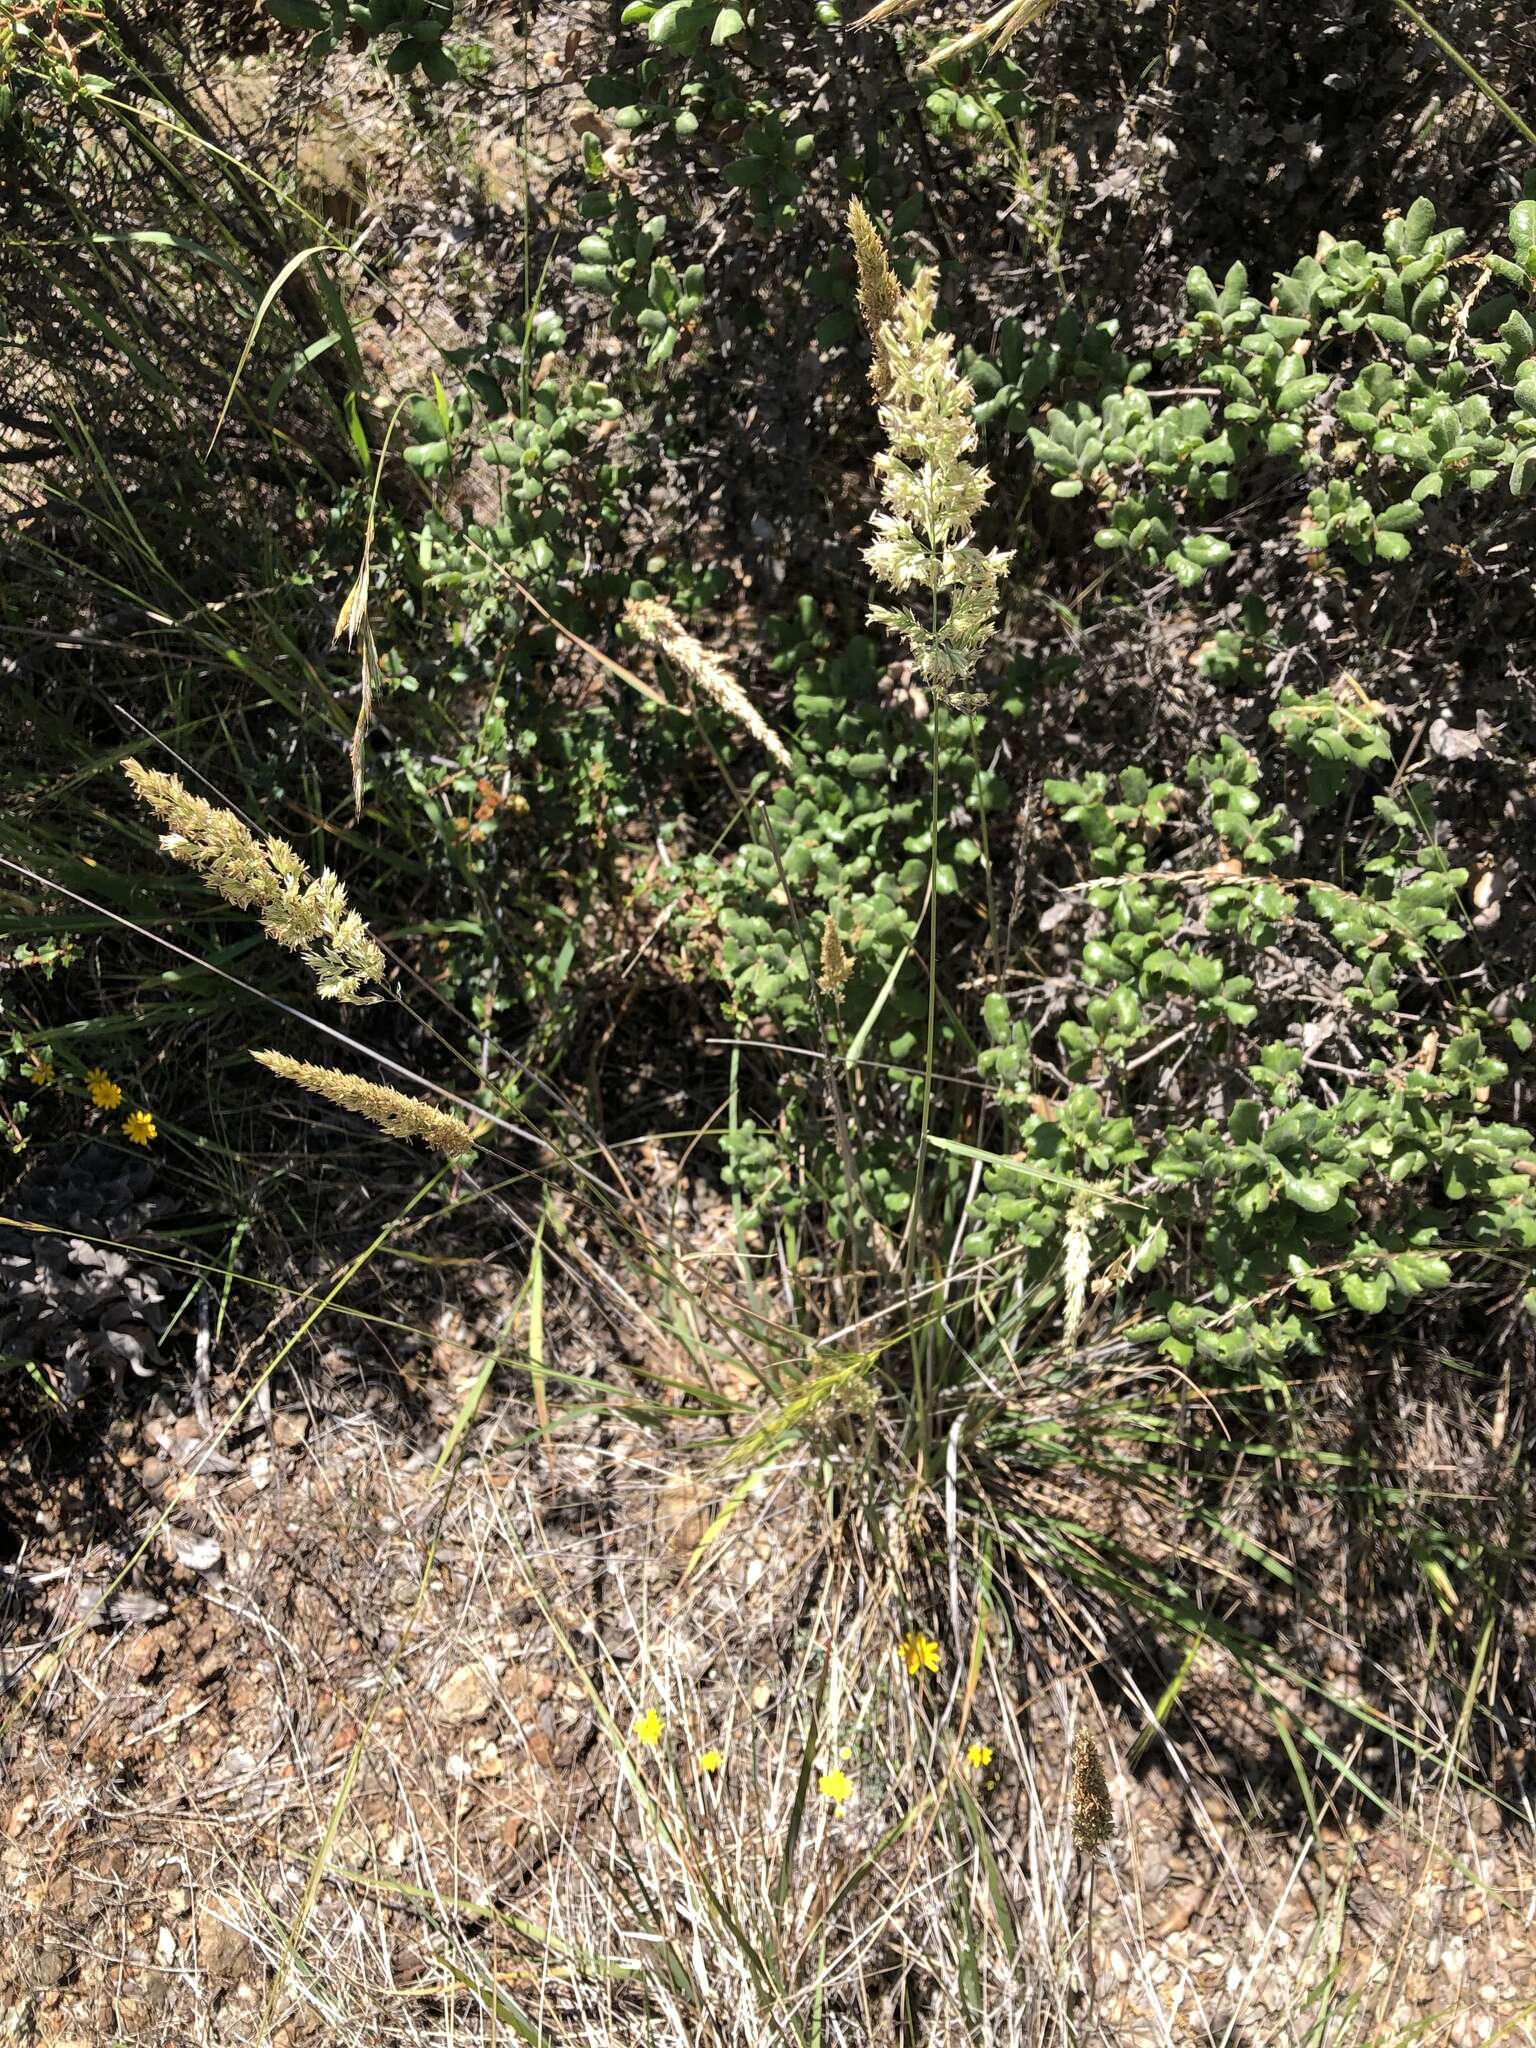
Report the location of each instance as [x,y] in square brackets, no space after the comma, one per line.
[355,626]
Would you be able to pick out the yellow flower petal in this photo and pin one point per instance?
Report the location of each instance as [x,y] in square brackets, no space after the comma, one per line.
[835,1785]
[648,1728]
[918,1652]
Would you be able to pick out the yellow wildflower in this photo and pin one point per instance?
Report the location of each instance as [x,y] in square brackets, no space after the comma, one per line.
[978,1756]
[139,1127]
[105,1093]
[918,1652]
[711,1761]
[40,1073]
[648,1728]
[836,1786]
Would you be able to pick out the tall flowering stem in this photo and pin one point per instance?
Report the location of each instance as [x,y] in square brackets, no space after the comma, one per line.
[923,544]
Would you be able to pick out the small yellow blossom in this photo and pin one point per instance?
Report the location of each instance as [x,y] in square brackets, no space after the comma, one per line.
[648,1728]
[41,1071]
[105,1093]
[918,1652]
[711,1761]
[139,1127]
[978,1756]
[836,1786]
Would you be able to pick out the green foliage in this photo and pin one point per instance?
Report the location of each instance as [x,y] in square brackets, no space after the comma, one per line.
[541,430]
[685,25]
[1075,358]
[1239,1233]
[1239,653]
[1440,406]
[848,838]
[413,30]
[1230,1236]
[1336,737]
[621,260]
[978,102]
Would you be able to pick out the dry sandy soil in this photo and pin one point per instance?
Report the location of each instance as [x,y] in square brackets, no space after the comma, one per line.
[302,1726]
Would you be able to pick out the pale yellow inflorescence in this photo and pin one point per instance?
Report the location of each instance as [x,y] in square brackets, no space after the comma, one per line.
[659,626]
[402,1116]
[1085,1209]
[879,292]
[308,915]
[932,491]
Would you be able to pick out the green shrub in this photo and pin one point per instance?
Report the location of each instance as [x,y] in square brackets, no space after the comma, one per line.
[1440,405]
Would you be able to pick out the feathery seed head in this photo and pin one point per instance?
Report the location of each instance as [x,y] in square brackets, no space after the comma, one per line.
[932,493]
[878,291]
[836,967]
[309,917]
[660,627]
[1083,1212]
[402,1116]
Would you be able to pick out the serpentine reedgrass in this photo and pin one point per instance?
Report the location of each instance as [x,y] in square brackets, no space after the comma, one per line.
[879,292]
[1085,1209]
[660,627]
[836,967]
[402,1116]
[1093,1825]
[932,492]
[308,915]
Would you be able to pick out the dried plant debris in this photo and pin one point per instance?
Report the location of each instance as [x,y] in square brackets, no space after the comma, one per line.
[74,1291]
